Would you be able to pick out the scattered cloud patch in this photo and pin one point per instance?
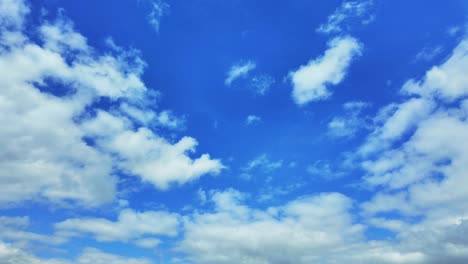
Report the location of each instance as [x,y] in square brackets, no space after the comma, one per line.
[349,14]
[350,123]
[260,164]
[131,226]
[429,53]
[261,84]
[157,9]
[12,254]
[311,82]
[325,170]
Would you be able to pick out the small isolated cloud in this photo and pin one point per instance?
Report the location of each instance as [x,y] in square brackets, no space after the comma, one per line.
[253,120]
[239,70]
[261,83]
[311,82]
[347,125]
[350,13]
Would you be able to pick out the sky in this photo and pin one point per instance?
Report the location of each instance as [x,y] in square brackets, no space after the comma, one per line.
[233,132]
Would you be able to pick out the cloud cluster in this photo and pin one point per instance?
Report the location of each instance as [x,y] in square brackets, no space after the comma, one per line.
[417,158]
[61,143]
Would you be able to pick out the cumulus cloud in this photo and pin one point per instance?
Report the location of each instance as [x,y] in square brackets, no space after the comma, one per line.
[239,70]
[49,95]
[311,82]
[349,14]
[141,228]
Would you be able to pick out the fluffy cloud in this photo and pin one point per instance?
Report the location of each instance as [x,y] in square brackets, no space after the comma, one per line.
[239,70]
[139,227]
[311,82]
[49,101]
[347,15]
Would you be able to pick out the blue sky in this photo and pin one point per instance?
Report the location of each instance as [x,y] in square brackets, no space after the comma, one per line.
[151,131]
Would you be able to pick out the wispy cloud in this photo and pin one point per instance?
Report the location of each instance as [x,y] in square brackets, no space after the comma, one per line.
[157,9]
[239,70]
[261,83]
[261,164]
[349,14]
[347,125]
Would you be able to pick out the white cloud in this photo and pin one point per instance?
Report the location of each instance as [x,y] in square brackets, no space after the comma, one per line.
[60,36]
[48,97]
[239,70]
[347,15]
[159,162]
[253,120]
[311,82]
[142,228]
